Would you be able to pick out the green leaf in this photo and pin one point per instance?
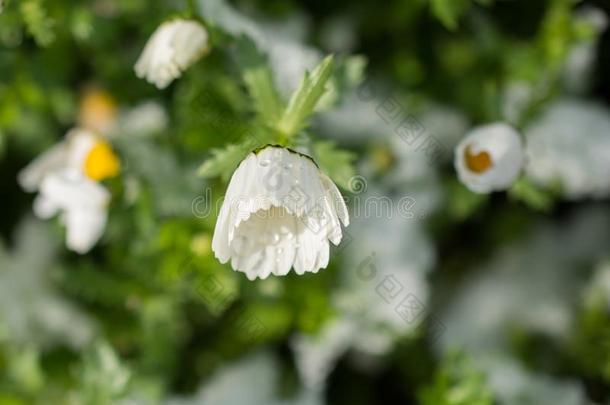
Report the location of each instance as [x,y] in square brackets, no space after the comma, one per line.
[223,161]
[449,11]
[337,163]
[305,98]
[535,197]
[38,23]
[457,382]
[463,202]
[259,82]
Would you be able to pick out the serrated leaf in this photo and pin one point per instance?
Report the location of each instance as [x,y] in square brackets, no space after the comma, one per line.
[222,162]
[259,82]
[336,163]
[305,98]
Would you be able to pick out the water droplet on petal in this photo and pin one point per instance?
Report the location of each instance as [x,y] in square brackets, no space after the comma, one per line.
[279,251]
[273,238]
[264,163]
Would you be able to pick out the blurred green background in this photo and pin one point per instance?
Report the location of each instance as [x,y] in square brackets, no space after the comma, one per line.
[513,288]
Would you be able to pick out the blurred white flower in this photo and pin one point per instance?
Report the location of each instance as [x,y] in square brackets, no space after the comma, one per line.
[67,180]
[280,211]
[172,49]
[569,146]
[490,158]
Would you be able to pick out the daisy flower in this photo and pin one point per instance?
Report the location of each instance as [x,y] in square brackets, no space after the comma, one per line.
[172,49]
[67,178]
[490,158]
[280,211]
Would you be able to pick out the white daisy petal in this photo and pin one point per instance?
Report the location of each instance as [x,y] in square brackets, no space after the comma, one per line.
[279,213]
[30,177]
[172,49]
[84,228]
[490,158]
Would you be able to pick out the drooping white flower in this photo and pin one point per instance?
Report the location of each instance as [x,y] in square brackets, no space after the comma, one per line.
[280,211]
[67,180]
[490,158]
[172,49]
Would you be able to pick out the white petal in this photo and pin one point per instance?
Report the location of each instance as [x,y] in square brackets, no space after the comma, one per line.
[71,191]
[84,228]
[44,207]
[31,176]
[83,204]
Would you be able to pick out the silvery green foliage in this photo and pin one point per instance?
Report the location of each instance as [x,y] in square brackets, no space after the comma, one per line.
[30,307]
[384,252]
[581,59]
[513,384]
[288,56]
[253,380]
[568,146]
[144,119]
[532,285]
[102,376]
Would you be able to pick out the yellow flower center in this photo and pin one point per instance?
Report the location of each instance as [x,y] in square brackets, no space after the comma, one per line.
[101,162]
[478,163]
[97,110]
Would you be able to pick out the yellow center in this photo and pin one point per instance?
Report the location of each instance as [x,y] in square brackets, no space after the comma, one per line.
[478,163]
[97,110]
[101,162]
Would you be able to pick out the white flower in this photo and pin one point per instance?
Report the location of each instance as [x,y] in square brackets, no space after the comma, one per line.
[172,49]
[490,158]
[67,179]
[280,211]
